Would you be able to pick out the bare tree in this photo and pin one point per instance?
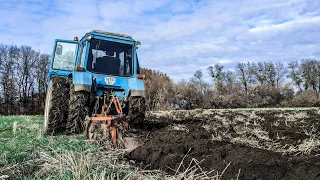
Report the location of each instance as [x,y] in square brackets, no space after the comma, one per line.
[318,78]
[23,75]
[230,79]
[244,75]
[8,55]
[216,72]
[280,72]
[159,90]
[42,66]
[259,72]
[270,71]
[295,74]
[310,70]
[201,85]
[200,90]
[25,67]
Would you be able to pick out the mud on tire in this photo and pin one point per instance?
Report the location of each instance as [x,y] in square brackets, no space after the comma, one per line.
[98,132]
[56,107]
[137,109]
[78,109]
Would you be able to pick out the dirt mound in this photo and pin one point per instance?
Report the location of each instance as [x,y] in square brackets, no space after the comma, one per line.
[165,149]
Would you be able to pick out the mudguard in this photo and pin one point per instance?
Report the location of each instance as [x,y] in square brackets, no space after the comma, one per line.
[140,93]
[82,81]
[82,87]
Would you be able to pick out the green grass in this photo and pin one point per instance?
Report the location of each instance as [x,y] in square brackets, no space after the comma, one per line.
[27,154]
[21,137]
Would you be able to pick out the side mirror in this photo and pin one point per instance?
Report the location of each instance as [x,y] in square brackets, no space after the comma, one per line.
[59,49]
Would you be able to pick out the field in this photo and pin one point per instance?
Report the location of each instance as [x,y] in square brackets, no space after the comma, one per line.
[203,144]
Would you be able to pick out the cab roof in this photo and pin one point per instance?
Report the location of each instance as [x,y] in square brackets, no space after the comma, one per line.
[111,33]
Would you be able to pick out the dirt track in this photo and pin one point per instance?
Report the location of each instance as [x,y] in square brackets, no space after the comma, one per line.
[231,147]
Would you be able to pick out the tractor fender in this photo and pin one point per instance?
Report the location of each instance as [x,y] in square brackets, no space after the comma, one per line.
[82,81]
[140,93]
[82,87]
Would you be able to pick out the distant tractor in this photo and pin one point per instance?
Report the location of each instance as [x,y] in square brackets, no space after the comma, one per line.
[95,85]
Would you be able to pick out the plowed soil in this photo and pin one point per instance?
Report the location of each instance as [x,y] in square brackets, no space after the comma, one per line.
[174,146]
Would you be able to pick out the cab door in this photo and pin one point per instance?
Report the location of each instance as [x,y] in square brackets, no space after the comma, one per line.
[63,57]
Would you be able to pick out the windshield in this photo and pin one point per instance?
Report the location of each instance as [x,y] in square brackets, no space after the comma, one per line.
[110,58]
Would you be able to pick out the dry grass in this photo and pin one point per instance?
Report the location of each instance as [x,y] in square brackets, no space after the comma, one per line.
[178,127]
[195,171]
[110,165]
[84,165]
[307,146]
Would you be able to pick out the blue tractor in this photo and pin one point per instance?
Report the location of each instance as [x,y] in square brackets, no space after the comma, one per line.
[94,85]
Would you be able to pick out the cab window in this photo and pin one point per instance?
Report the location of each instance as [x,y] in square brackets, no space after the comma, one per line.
[83,54]
[64,56]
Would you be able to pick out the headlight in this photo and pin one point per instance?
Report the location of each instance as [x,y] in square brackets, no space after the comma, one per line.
[89,37]
[137,44]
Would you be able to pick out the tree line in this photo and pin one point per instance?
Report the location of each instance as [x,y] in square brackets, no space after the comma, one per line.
[250,84]
[23,84]
[23,80]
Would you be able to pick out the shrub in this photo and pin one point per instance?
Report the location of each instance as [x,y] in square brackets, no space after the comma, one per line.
[306,99]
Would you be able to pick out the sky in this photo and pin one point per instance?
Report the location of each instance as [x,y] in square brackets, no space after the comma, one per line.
[178,37]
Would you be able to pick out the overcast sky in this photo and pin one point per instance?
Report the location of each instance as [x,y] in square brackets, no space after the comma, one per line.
[178,36]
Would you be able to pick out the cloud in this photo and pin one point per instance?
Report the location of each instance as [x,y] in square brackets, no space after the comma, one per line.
[304,22]
[178,37]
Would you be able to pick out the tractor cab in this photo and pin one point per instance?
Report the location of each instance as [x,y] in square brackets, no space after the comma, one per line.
[97,52]
[102,59]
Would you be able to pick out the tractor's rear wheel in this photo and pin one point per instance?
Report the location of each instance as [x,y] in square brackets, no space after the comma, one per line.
[136,109]
[56,106]
[78,109]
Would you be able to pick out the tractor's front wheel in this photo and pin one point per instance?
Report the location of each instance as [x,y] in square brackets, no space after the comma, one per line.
[56,106]
[78,109]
